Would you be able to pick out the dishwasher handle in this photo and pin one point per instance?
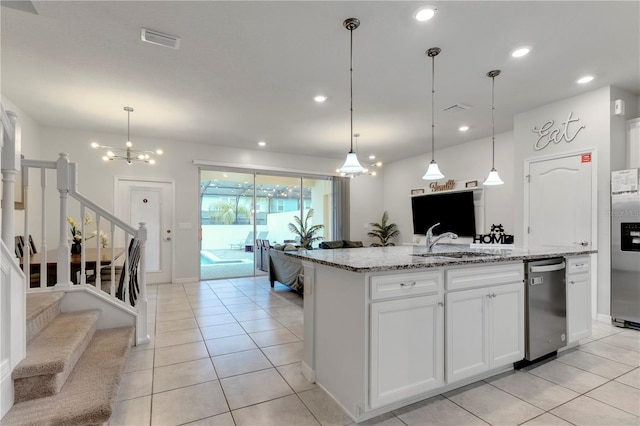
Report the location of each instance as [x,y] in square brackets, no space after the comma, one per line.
[547,268]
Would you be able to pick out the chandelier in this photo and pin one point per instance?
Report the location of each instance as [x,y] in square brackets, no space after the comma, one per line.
[128,154]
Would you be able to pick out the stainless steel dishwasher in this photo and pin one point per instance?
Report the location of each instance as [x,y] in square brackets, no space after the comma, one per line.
[546,307]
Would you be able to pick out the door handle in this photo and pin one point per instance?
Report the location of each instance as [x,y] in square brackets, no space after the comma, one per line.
[582,243]
[547,268]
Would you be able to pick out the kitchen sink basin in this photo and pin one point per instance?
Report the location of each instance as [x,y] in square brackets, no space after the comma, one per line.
[454,255]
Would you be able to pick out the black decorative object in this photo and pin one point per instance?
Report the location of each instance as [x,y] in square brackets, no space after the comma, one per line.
[76,247]
[496,236]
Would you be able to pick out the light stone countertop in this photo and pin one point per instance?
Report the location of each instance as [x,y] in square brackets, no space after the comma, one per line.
[368,259]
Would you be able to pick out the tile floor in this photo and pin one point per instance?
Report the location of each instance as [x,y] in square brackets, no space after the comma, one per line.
[227,352]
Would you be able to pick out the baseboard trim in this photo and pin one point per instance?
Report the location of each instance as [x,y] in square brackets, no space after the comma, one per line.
[6,388]
[603,318]
[186,280]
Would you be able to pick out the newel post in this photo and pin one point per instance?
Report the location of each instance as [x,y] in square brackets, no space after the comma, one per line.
[11,165]
[142,335]
[64,253]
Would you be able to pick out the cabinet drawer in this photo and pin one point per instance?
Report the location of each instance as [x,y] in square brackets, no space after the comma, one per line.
[578,265]
[482,276]
[384,286]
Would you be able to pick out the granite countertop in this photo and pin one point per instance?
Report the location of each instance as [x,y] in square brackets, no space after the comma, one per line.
[391,258]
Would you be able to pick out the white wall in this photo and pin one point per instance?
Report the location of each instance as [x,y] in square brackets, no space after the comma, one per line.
[462,163]
[367,205]
[96,177]
[604,133]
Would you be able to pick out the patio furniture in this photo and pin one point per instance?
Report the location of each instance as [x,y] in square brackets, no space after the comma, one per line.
[243,244]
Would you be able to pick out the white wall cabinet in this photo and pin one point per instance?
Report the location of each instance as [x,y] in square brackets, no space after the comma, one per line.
[578,298]
[407,348]
[485,324]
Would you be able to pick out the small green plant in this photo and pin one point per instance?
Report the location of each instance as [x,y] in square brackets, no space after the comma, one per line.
[305,231]
[383,231]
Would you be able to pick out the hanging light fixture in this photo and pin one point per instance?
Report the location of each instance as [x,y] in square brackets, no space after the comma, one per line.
[433,172]
[128,153]
[351,165]
[493,178]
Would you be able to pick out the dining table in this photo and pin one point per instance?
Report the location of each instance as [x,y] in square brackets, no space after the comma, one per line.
[91,262]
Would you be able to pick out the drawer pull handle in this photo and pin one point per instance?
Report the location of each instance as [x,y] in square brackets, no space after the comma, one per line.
[411,284]
[572,282]
[580,265]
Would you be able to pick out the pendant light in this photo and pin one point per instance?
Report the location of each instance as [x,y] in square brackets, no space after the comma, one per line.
[493,178]
[433,172]
[351,165]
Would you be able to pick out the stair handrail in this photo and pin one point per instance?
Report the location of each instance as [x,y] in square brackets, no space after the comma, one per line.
[66,182]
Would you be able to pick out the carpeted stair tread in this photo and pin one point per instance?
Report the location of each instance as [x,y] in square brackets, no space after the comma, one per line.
[90,392]
[52,349]
[42,308]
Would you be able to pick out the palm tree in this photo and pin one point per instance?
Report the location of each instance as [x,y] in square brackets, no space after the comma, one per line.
[305,231]
[383,231]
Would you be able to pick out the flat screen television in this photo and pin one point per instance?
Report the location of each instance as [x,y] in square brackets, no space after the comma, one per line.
[454,211]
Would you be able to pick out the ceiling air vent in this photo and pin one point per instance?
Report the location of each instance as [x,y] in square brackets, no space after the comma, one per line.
[456,108]
[162,39]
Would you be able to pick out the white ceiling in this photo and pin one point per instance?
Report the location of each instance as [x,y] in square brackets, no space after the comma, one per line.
[247,71]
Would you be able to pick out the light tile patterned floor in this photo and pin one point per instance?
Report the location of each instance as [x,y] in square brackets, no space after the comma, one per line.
[227,352]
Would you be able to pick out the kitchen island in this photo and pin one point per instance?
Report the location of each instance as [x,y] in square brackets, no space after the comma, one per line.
[388,326]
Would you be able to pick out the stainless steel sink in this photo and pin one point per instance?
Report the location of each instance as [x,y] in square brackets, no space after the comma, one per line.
[453,255]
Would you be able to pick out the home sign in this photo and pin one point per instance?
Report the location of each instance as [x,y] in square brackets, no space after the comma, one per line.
[547,135]
[448,186]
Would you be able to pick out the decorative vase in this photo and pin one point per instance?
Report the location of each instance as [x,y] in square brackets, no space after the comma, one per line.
[76,247]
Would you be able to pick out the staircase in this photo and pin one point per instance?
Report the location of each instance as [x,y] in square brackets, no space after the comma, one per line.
[72,371]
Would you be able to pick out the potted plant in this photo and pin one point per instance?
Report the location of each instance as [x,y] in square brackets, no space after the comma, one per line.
[383,231]
[305,231]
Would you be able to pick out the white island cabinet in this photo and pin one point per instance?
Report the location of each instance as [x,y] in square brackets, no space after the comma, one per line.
[385,327]
[406,356]
[485,318]
[578,298]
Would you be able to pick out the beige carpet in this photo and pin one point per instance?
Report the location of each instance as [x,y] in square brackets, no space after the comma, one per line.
[52,354]
[88,396]
[42,308]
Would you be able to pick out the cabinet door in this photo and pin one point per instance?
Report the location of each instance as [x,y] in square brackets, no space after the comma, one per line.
[506,308]
[466,335]
[407,348]
[578,307]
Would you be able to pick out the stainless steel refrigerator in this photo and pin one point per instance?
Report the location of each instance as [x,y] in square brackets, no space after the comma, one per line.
[625,248]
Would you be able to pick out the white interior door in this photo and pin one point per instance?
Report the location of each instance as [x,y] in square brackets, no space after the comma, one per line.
[560,201]
[151,202]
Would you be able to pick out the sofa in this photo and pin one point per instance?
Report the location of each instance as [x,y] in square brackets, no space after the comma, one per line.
[288,270]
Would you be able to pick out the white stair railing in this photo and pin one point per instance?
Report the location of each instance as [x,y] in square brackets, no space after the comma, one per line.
[106,269]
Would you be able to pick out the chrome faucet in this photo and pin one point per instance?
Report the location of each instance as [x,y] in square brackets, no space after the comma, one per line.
[431,241]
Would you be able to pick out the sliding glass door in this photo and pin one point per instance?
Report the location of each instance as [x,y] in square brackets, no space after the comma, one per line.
[238,208]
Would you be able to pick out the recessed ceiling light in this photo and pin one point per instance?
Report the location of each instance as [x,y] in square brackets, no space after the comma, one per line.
[262,143]
[320,98]
[521,51]
[372,157]
[584,80]
[424,13]
[463,128]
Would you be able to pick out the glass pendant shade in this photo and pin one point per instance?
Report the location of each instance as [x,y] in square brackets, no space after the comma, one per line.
[433,172]
[351,164]
[493,178]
